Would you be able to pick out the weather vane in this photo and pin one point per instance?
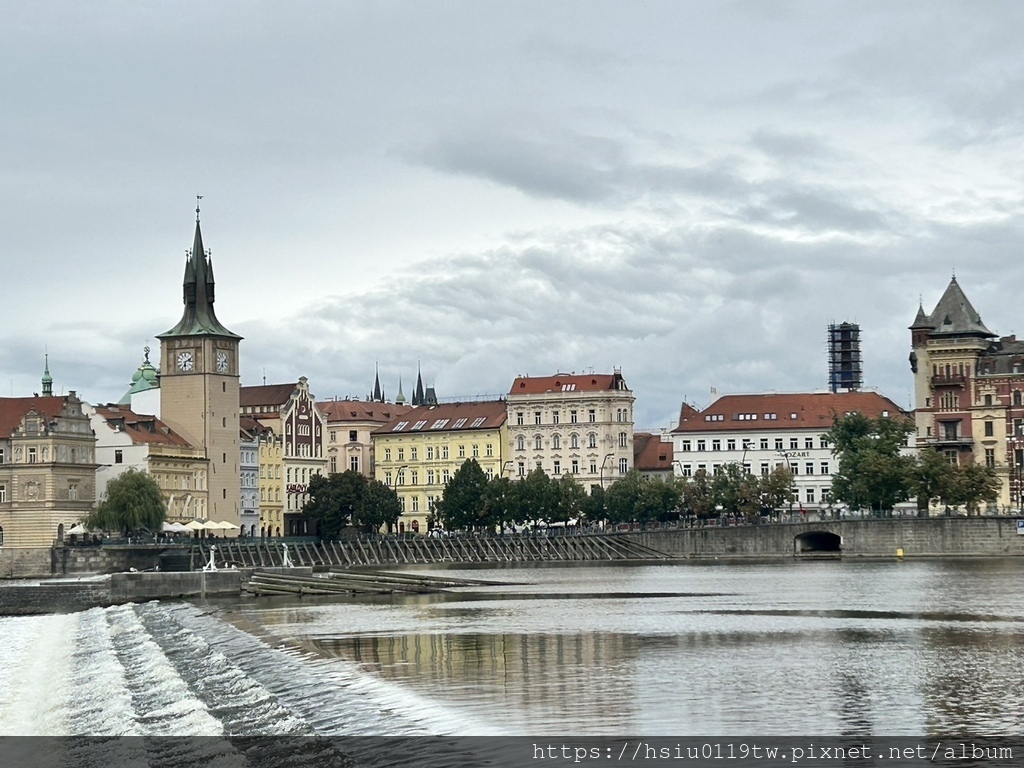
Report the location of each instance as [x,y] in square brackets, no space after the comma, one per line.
[198,198]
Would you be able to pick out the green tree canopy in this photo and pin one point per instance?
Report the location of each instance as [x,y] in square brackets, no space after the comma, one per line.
[335,500]
[133,501]
[462,503]
[379,507]
[872,474]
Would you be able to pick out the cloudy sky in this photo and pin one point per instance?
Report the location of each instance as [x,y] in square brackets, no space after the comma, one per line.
[687,190]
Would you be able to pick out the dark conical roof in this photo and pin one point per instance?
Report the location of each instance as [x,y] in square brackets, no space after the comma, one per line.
[954,315]
[921,320]
[378,395]
[198,319]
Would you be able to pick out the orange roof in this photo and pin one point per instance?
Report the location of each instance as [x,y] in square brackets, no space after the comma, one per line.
[567,382]
[448,417]
[651,453]
[13,410]
[806,410]
[361,410]
[141,428]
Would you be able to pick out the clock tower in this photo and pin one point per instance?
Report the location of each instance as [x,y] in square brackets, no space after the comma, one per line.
[199,385]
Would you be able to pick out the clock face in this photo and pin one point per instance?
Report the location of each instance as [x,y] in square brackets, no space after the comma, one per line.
[184,361]
[222,362]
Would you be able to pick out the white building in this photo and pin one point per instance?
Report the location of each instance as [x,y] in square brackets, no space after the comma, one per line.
[761,432]
[576,424]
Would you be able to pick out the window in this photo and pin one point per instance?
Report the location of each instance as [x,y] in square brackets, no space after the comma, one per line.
[430,452]
[353,463]
[538,443]
[592,440]
[623,466]
[716,445]
[1016,401]
[591,415]
[810,495]
[3,493]
[593,467]
[990,429]
[519,418]
[685,445]
[520,443]
[536,417]
[687,470]
[824,467]
[764,467]
[730,444]
[794,468]
[478,422]
[118,456]
[702,445]
[522,468]
[1,455]
[415,502]
[476,451]
[444,451]
[808,443]
[430,477]
[462,451]
[401,454]
[556,442]
[575,467]
[990,458]
[414,454]
[623,440]
[31,455]
[419,424]
[988,399]
[574,415]
[809,468]
[333,435]
[574,441]
[557,469]
[554,417]
[461,423]
[446,475]
[387,454]
[353,435]
[778,443]
[439,424]
[794,444]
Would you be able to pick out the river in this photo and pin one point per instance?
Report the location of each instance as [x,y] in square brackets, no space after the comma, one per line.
[827,647]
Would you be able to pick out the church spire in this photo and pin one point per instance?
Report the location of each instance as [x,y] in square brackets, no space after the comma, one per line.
[198,319]
[47,378]
[400,399]
[378,395]
[417,395]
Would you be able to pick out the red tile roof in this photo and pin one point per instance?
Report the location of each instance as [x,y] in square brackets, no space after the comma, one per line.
[141,428]
[266,394]
[361,410]
[567,382]
[448,417]
[807,410]
[13,409]
[651,453]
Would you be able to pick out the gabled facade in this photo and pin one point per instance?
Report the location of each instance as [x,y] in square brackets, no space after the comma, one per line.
[47,468]
[348,426]
[969,391]
[290,411]
[580,425]
[652,454]
[417,452]
[199,383]
[128,440]
[765,431]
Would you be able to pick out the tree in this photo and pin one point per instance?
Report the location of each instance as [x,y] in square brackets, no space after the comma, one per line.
[698,498]
[593,507]
[776,489]
[566,499]
[133,501]
[462,503]
[974,484]
[534,497]
[639,498]
[932,479]
[872,474]
[379,507]
[335,500]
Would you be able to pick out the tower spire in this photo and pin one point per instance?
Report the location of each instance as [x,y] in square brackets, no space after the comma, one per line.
[378,395]
[47,378]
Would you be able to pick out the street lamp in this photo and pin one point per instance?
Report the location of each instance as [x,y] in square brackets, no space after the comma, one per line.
[603,462]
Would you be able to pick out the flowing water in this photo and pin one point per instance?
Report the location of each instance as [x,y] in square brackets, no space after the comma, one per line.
[818,647]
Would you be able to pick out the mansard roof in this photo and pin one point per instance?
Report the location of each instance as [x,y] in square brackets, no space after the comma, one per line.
[336,411]
[801,410]
[198,318]
[568,382]
[139,427]
[954,315]
[1005,356]
[448,417]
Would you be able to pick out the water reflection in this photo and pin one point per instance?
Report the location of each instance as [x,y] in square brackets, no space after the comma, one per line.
[830,648]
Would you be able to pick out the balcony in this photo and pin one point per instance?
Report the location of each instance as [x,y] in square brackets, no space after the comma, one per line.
[949,380]
[950,441]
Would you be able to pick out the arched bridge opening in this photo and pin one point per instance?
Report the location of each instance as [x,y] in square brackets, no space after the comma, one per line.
[818,542]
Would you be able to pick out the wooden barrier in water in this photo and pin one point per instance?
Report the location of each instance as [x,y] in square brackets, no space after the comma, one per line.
[340,581]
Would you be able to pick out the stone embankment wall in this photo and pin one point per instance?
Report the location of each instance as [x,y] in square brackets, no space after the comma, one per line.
[916,537]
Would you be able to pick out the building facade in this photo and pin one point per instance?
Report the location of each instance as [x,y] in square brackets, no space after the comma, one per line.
[652,454]
[349,426]
[762,432]
[127,440]
[271,487]
[969,392]
[199,392]
[581,425]
[418,452]
[249,470]
[290,410]
[47,468]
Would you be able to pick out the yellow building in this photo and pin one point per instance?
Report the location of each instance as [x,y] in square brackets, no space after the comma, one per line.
[418,452]
[271,500]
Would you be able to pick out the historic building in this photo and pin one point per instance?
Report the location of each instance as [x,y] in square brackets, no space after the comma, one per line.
[47,468]
[968,386]
[417,452]
[348,426]
[128,440]
[290,410]
[199,393]
[571,424]
[764,431]
[249,470]
[652,454]
[271,486]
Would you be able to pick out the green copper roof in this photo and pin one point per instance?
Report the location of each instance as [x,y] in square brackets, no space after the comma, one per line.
[198,319]
[145,377]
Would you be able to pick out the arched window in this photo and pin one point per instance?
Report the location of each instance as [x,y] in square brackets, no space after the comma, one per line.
[1016,397]
[520,443]
[622,439]
[538,443]
[556,442]
[574,441]
[592,440]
